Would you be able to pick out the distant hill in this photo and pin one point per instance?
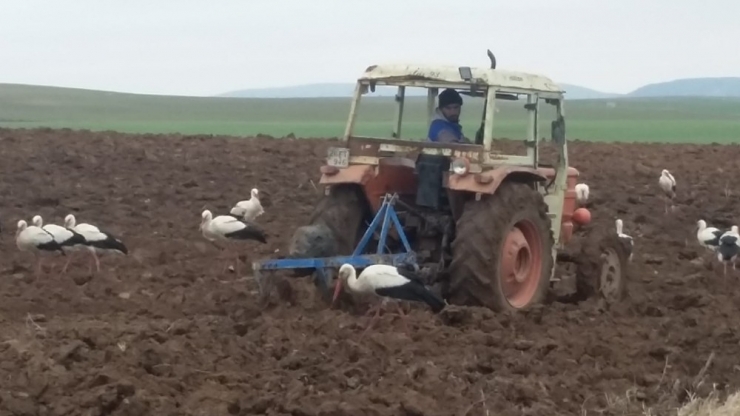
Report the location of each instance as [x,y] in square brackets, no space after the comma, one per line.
[672,119]
[703,87]
[326,90]
[576,92]
[323,90]
[698,87]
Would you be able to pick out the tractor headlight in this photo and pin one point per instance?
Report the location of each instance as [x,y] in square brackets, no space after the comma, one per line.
[460,166]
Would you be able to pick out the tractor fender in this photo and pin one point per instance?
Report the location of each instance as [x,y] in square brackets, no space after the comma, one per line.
[487,182]
[359,174]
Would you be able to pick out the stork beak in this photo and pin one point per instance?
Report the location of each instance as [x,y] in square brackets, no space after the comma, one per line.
[337,290]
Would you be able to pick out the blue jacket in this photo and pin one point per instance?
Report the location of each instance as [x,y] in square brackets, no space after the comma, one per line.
[440,124]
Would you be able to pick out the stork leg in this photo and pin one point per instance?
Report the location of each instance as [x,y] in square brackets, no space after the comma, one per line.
[404,319]
[372,320]
[236,265]
[66,264]
[97,262]
[372,310]
[225,257]
[39,269]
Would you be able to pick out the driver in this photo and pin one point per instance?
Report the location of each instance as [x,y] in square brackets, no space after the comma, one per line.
[445,126]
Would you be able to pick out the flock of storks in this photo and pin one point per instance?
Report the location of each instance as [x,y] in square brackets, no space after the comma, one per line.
[384,281]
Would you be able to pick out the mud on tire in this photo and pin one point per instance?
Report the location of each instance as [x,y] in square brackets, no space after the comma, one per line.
[480,235]
[603,268]
[343,211]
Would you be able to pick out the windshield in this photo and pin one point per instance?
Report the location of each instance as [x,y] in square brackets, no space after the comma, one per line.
[377,116]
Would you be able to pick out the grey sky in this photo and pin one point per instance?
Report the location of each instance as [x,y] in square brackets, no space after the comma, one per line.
[187,47]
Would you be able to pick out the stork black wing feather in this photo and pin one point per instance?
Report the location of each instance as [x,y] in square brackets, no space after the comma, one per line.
[250,232]
[406,271]
[413,291]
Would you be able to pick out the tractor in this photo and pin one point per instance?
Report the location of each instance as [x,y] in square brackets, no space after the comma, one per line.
[481,227]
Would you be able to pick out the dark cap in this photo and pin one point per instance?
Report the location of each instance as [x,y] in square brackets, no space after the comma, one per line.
[449,96]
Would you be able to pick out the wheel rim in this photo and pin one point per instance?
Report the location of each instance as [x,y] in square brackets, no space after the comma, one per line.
[521,264]
[611,275]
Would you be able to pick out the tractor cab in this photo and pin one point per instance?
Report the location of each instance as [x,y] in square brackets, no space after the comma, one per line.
[436,176]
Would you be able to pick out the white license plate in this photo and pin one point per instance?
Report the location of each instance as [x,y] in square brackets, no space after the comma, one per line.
[338,156]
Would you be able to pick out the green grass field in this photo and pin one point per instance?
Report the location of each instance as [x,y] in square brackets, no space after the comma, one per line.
[681,120]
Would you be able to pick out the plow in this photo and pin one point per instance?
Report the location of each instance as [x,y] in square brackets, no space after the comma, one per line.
[480,227]
[324,267]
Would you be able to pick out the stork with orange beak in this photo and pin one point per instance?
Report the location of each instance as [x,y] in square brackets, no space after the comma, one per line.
[389,283]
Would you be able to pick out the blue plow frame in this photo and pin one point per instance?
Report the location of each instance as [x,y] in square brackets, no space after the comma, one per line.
[384,218]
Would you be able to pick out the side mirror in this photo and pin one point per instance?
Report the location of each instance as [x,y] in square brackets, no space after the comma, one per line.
[557,130]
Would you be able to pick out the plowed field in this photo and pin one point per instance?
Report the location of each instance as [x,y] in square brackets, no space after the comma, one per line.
[164,332]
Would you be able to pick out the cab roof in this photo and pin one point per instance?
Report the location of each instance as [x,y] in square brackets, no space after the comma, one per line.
[425,74]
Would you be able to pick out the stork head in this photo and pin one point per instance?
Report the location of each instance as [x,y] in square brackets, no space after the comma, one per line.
[21,226]
[206,216]
[664,172]
[701,224]
[37,221]
[255,193]
[344,273]
[69,221]
[619,225]
[734,229]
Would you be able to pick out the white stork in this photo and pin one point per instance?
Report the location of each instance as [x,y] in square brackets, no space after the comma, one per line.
[386,282]
[229,228]
[96,240]
[668,185]
[729,247]
[68,239]
[624,236]
[35,239]
[248,209]
[581,193]
[708,237]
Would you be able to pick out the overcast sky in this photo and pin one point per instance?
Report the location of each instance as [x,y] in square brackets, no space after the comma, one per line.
[188,47]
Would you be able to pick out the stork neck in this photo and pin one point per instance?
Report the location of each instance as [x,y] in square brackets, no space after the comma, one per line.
[352,280]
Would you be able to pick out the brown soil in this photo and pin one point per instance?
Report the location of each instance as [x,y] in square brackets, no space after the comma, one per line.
[163,332]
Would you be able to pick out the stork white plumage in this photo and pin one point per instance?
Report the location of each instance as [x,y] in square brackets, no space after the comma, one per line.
[668,185]
[67,239]
[36,240]
[708,237]
[229,228]
[729,248]
[619,225]
[582,191]
[386,282]
[248,209]
[96,240]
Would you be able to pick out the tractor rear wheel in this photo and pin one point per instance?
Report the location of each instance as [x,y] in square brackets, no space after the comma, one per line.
[502,252]
[344,212]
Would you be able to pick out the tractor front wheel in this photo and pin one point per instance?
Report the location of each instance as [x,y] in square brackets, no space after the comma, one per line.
[502,252]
